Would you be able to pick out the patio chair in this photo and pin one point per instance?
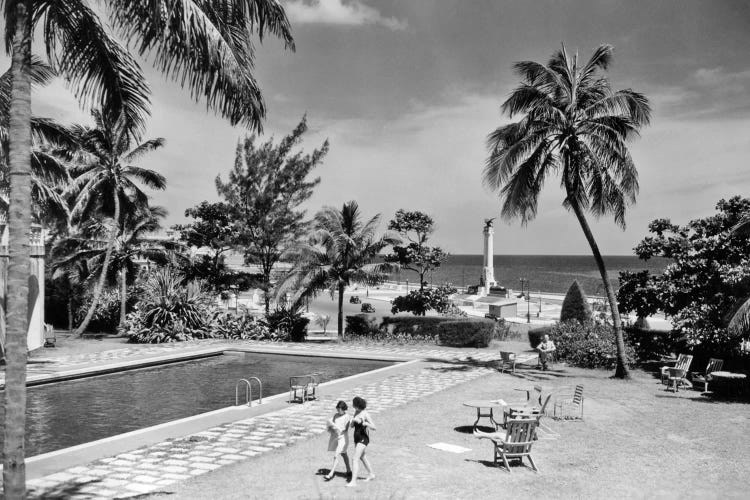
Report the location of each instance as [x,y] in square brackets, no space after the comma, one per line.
[682,363]
[533,412]
[533,400]
[516,444]
[312,386]
[714,365]
[507,359]
[569,408]
[298,388]
[676,377]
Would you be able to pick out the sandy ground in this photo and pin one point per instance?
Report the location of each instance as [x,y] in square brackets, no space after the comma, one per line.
[637,441]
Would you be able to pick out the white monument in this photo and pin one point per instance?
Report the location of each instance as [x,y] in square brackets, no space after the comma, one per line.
[487,279]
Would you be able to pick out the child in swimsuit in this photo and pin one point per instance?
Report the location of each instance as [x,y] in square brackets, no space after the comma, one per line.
[362,423]
[338,426]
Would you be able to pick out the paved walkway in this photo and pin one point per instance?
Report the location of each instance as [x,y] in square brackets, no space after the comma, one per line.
[155,467]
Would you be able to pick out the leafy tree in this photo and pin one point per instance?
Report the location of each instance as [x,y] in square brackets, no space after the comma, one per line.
[104,183]
[706,282]
[205,45]
[416,228]
[420,301]
[573,124]
[213,229]
[341,251]
[575,305]
[266,186]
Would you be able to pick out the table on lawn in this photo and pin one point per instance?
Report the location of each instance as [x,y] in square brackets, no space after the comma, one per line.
[486,404]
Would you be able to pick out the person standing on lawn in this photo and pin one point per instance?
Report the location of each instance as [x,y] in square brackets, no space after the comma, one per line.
[545,348]
[362,423]
[338,426]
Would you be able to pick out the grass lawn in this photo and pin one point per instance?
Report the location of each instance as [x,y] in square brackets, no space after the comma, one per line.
[637,441]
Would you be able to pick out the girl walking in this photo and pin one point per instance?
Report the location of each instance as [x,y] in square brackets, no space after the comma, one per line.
[362,423]
[338,426]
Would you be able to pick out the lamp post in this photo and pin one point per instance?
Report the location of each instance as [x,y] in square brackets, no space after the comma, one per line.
[236,298]
[528,297]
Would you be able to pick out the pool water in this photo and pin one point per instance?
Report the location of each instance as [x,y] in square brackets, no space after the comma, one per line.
[72,412]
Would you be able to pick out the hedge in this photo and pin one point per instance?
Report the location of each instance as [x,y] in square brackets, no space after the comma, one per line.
[466,333]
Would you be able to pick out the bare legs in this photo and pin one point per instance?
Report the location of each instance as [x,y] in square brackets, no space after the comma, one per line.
[336,462]
[359,454]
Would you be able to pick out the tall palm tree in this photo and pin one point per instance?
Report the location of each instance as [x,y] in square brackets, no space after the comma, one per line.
[340,252]
[205,45]
[104,182]
[573,124]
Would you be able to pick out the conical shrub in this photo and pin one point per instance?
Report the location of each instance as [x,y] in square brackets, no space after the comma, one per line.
[575,306]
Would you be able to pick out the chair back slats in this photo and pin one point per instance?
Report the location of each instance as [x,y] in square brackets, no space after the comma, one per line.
[544,406]
[535,395]
[520,436]
[578,395]
[714,365]
[683,362]
[507,356]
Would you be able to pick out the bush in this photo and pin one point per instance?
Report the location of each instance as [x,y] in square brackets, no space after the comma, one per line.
[418,302]
[466,333]
[288,324]
[588,345]
[653,345]
[360,325]
[229,326]
[575,306]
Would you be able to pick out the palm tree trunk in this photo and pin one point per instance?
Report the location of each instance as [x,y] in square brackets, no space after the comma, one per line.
[123,294]
[622,369]
[19,266]
[70,314]
[341,311]
[105,266]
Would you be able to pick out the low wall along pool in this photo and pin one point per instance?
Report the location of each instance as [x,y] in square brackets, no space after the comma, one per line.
[67,413]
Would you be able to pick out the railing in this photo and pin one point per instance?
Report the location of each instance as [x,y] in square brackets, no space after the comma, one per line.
[248,391]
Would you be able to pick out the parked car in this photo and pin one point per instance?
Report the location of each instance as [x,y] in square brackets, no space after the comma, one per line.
[354,299]
[367,308]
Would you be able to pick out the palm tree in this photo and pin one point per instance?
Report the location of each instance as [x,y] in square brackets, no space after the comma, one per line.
[105,182]
[204,45]
[574,124]
[340,252]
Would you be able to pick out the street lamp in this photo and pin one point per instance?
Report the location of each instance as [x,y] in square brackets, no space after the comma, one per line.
[528,297]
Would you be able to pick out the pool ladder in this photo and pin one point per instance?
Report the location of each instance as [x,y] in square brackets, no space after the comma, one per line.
[248,391]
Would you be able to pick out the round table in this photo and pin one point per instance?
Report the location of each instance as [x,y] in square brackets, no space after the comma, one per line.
[489,404]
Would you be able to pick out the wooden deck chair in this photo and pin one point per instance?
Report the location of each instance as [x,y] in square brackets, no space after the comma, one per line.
[533,400]
[714,365]
[569,408]
[676,377]
[530,412]
[682,363]
[507,359]
[516,444]
[298,387]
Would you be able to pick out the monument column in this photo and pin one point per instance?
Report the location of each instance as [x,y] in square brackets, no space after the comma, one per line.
[487,279]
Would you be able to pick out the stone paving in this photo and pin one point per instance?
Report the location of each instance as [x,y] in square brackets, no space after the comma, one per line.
[153,468]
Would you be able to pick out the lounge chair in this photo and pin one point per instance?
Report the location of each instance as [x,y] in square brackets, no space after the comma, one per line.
[714,365]
[682,363]
[507,359]
[299,386]
[675,377]
[569,408]
[516,443]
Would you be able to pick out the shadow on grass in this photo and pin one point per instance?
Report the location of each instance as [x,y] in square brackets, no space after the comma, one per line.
[514,463]
[469,429]
[78,488]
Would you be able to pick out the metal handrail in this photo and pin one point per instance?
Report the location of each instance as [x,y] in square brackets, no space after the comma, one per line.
[248,392]
[260,390]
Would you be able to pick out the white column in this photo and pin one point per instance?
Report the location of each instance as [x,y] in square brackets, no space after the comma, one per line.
[488,270]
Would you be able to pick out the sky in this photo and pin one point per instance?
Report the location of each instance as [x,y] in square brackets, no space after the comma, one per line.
[407,91]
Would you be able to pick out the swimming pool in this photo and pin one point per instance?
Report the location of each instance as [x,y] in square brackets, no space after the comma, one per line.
[72,412]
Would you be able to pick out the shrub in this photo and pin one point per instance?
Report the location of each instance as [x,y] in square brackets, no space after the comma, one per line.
[360,325]
[288,324]
[587,345]
[575,306]
[229,326]
[418,302]
[466,333]
[426,326]
[107,313]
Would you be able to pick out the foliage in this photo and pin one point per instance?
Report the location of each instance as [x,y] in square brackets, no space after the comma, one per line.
[340,252]
[708,278]
[575,306]
[230,326]
[265,188]
[575,125]
[217,275]
[322,321]
[213,228]
[466,333]
[587,345]
[416,228]
[358,325]
[426,326]
[107,314]
[418,302]
[288,324]
[364,328]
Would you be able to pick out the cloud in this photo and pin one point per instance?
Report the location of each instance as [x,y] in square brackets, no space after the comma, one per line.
[341,12]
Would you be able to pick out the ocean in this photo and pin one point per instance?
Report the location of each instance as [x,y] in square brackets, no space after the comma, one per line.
[546,273]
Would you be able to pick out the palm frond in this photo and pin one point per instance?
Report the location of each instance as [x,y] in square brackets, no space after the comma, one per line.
[739,324]
[142,149]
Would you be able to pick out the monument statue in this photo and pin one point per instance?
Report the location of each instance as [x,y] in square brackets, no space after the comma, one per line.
[489,222]
[487,279]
